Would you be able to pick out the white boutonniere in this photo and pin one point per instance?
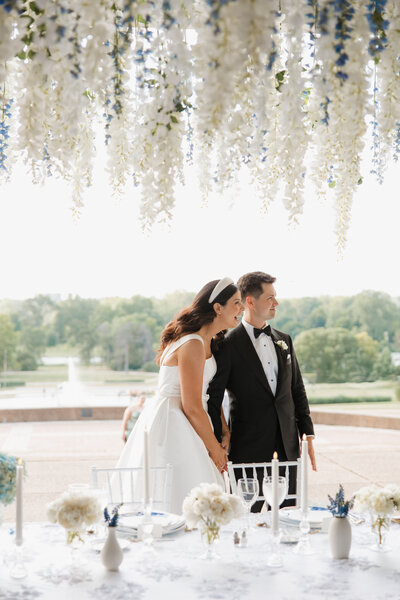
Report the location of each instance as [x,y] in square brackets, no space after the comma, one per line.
[282,345]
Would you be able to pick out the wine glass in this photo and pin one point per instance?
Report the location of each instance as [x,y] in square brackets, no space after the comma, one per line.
[248,490]
[282,489]
[274,558]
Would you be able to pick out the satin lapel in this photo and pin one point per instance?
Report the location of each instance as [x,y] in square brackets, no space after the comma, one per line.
[250,356]
[281,356]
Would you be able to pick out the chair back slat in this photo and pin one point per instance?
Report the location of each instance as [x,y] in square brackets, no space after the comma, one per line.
[124,485]
[246,470]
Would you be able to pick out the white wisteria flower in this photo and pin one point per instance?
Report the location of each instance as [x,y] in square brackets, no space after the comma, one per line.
[248,84]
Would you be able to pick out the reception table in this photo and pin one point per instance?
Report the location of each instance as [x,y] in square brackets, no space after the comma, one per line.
[175,571]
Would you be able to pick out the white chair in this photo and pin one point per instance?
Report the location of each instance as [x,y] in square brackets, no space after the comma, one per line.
[246,470]
[124,485]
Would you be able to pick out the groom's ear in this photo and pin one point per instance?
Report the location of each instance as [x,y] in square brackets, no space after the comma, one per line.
[249,302]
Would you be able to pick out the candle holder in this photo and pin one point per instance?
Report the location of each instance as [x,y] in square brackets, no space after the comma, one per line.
[304,547]
[275,557]
[18,569]
[146,529]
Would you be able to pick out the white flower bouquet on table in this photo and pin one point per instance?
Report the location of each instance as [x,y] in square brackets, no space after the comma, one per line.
[211,507]
[380,502]
[75,511]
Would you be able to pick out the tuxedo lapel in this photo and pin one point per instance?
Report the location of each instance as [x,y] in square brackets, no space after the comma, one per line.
[249,356]
[281,356]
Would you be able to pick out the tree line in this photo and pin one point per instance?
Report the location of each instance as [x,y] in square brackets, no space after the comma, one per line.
[336,338]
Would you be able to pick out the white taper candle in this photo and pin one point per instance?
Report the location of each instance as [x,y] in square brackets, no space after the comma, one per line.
[146,468]
[275,495]
[19,502]
[304,475]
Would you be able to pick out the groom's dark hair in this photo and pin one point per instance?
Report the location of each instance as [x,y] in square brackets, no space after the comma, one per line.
[251,283]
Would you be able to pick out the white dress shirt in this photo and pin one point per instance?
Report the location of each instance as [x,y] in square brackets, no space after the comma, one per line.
[265,348]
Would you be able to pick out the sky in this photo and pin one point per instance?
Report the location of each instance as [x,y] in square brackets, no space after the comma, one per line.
[44,251]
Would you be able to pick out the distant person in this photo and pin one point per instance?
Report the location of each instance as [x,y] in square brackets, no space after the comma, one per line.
[131,415]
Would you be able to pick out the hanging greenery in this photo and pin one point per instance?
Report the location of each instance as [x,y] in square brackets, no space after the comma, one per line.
[289,89]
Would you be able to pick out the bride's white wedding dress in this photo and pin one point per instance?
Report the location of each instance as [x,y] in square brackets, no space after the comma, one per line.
[171,437]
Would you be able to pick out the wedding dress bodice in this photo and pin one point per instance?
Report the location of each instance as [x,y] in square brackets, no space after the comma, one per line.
[168,381]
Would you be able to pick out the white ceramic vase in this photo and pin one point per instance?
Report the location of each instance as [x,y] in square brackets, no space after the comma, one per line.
[111,553]
[339,533]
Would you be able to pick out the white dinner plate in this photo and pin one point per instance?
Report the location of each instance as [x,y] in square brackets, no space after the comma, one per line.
[293,516]
[169,522]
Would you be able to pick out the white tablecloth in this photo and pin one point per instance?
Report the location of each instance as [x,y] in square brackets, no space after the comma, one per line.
[176,572]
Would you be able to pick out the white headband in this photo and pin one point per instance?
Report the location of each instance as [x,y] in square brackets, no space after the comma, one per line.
[221,285]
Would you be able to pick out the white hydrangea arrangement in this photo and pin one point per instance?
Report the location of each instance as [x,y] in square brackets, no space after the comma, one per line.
[210,506]
[380,503]
[75,511]
[378,500]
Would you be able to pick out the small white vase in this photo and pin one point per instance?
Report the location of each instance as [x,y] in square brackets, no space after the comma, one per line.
[111,553]
[339,533]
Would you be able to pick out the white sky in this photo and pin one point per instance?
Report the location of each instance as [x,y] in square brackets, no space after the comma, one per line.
[106,254]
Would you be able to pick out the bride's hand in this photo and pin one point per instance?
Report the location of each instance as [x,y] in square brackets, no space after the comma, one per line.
[219,457]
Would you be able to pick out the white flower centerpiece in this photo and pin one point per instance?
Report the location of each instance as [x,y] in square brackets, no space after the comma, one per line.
[75,510]
[210,507]
[380,503]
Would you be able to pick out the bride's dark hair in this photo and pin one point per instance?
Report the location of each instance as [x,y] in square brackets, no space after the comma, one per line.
[200,312]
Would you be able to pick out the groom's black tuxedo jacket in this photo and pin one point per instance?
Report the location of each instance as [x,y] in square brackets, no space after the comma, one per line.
[257,417]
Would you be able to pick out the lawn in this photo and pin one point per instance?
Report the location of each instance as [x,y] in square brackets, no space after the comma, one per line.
[87,374]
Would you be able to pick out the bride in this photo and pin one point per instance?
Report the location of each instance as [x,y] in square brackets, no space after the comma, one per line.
[179,428]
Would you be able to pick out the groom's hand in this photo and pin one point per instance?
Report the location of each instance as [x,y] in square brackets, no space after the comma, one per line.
[225,440]
[311,453]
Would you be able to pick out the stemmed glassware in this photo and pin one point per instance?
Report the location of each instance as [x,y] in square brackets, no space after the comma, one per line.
[248,490]
[274,558]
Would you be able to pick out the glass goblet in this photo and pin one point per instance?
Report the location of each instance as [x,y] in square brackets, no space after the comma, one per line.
[275,558]
[248,490]
[282,489]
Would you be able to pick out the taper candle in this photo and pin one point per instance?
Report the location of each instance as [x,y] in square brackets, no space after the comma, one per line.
[146,468]
[19,501]
[304,475]
[275,495]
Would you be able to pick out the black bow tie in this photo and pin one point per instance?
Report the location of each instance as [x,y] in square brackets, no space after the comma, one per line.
[258,332]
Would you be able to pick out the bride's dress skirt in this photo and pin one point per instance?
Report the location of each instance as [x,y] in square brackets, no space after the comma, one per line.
[171,440]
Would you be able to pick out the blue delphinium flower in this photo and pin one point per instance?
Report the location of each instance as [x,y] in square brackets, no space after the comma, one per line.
[338,506]
[112,520]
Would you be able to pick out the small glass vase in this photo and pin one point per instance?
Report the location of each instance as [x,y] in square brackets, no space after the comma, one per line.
[76,544]
[380,526]
[209,535]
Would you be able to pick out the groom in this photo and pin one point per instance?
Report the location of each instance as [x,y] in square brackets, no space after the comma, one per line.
[257,365]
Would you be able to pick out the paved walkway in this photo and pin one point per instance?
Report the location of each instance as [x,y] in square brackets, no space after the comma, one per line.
[61,452]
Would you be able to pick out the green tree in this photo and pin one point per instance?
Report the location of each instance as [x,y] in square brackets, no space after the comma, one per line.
[329,353]
[384,367]
[8,342]
[367,354]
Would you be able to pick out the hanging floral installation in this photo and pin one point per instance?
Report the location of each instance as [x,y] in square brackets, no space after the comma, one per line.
[292,90]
